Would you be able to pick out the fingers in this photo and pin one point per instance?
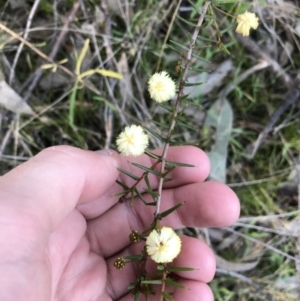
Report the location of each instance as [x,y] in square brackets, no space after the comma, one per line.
[194,254]
[207,204]
[180,176]
[50,185]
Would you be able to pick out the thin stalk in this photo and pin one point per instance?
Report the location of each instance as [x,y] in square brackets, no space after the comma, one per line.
[188,62]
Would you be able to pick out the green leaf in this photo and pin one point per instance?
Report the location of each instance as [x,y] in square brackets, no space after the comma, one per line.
[193,25]
[107,103]
[167,296]
[122,193]
[173,143]
[179,269]
[194,6]
[131,286]
[129,174]
[134,257]
[183,97]
[224,1]
[187,126]
[168,171]
[147,182]
[172,163]
[161,138]
[166,107]
[200,58]
[164,126]
[152,193]
[132,198]
[152,155]
[160,267]
[143,200]
[169,211]
[122,184]
[199,69]
[186,84]
[172,282]
[193,104]
[182,46]
[174,49]
[155,282]
[137,296]
[152,171]
[72,104]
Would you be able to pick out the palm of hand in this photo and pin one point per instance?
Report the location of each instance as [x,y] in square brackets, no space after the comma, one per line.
[66,230]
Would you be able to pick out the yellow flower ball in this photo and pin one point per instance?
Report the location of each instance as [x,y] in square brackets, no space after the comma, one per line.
[163,245]
[246,21]
[161,87]
[132,141]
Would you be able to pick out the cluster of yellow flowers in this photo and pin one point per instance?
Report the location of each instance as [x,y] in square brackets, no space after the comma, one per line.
[163,245]
[133,140]
[246,21]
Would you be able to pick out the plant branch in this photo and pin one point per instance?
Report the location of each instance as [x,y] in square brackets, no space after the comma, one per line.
[187,63]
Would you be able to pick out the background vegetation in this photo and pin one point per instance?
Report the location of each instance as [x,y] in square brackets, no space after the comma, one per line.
[246,114]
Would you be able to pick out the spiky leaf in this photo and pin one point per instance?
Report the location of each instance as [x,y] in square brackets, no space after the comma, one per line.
[167,296]
[134,177]
[174,283]
[149,170]
[169,211]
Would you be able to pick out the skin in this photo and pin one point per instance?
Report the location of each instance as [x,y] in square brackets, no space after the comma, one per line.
[62,226]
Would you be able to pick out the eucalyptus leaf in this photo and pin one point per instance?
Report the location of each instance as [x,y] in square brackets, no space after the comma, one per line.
[220,117]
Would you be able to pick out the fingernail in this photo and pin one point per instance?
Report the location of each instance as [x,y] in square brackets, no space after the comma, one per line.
[104,152]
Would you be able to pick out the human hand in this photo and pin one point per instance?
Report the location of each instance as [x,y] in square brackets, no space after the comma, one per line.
[62,226]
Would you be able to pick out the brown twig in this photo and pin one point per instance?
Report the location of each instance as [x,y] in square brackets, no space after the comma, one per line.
[109,56]
[251,46]
[167,35]
[39,72]
[19,50]
[291,98]
[188,61]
